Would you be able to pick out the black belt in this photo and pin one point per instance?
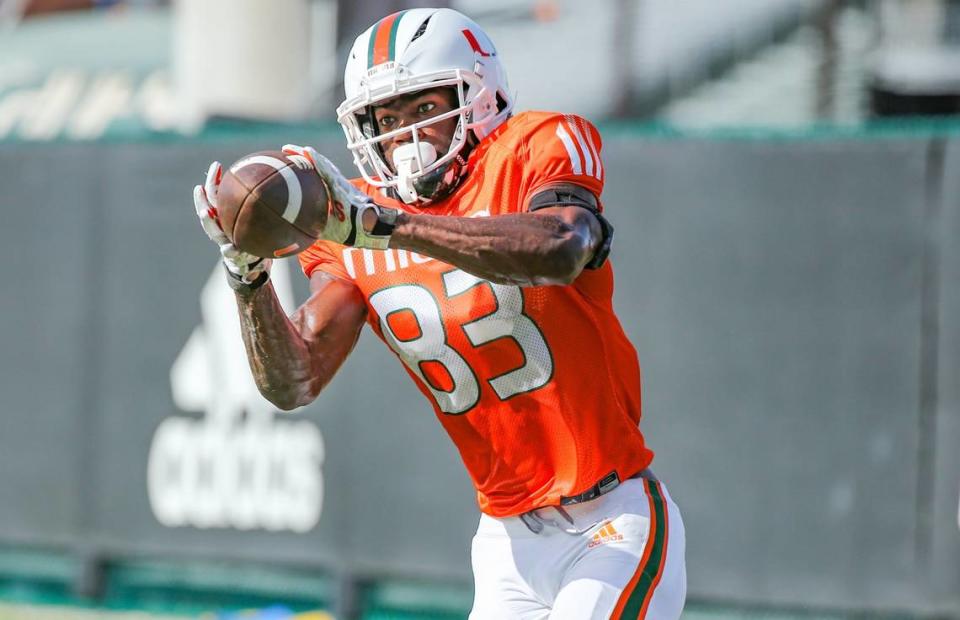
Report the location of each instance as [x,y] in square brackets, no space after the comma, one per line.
[602,487]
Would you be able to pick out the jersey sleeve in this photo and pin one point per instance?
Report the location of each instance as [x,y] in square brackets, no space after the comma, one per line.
[325,256]
[562,148]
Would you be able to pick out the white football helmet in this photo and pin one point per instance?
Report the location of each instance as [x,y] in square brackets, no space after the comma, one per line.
[410,51]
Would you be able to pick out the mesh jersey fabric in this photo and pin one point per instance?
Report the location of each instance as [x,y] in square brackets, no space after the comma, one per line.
[538,387]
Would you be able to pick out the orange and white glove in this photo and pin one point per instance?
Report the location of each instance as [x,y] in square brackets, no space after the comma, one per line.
[348,206]
[242,268]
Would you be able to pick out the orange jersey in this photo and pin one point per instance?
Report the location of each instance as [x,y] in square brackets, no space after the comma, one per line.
[538,387]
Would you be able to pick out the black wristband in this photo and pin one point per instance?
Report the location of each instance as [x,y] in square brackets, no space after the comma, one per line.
[386,222]
[237,283]
[603,251]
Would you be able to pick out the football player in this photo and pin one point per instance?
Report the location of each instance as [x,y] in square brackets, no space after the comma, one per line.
[475,246]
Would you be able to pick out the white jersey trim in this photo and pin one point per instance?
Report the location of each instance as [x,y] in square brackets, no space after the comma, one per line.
[593,149]
[571,149]
[583,145]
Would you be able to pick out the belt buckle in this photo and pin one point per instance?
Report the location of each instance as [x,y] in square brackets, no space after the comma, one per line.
[608,483]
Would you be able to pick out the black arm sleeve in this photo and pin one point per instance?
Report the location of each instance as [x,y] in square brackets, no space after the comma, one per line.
[570,194]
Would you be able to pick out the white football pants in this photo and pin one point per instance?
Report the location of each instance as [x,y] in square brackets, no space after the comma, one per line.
[618,556]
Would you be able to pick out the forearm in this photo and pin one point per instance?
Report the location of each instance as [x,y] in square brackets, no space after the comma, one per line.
[279,357]
[292,359]
[523,249]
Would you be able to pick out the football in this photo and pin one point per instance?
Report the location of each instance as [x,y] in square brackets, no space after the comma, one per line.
[271,204]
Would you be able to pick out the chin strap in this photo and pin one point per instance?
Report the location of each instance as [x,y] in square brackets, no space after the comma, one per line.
[408,160]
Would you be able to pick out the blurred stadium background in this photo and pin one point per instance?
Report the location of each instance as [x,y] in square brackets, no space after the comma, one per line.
[784,176]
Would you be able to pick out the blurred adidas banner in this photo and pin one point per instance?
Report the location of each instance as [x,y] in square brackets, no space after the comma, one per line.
[237,466]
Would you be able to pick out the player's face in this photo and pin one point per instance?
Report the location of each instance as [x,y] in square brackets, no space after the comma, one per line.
[406,110]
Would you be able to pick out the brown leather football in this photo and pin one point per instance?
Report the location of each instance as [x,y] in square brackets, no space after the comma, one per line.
[271,204]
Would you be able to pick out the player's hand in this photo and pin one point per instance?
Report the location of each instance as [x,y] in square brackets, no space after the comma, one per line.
[243,267]
[348,205]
